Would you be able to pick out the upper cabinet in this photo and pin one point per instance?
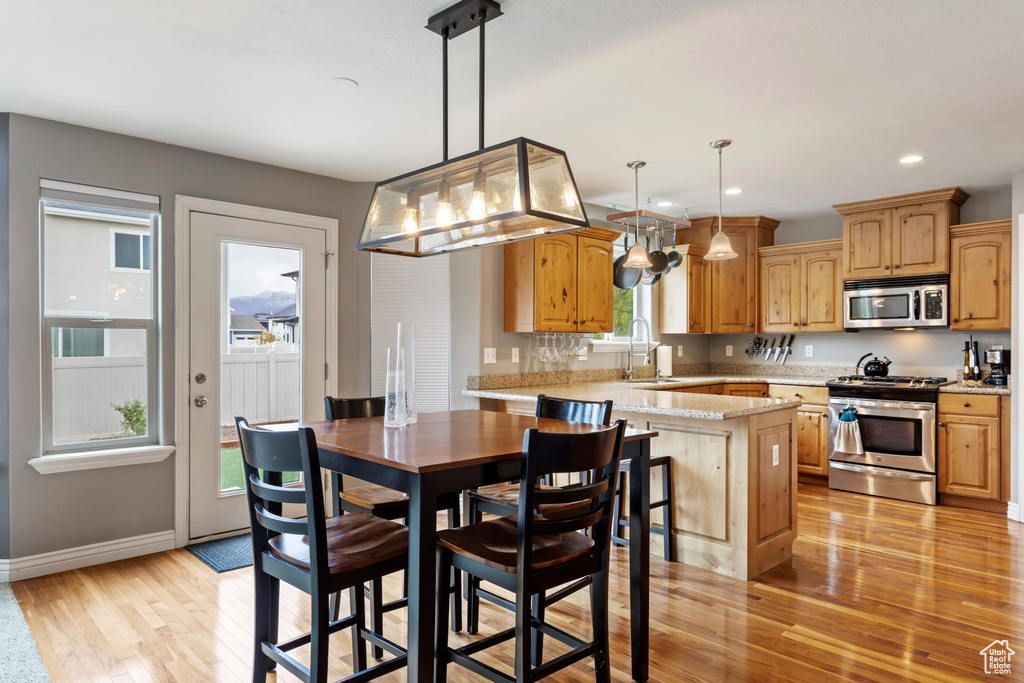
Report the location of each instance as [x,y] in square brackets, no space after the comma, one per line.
[685,294]
[733,283]
[979,276]
[897,236]
[802,287]
[561,283]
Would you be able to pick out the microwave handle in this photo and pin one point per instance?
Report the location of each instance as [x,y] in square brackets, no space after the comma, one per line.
[917,304]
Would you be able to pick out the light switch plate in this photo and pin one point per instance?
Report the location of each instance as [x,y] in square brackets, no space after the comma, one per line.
[515,354]
[679,350]
[728,349]
[775,454]
[808,351]
[490,355]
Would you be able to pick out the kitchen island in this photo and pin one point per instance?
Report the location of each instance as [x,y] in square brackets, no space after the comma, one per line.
[733,467]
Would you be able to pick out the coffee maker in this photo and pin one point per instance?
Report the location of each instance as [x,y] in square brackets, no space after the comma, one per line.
[999,362]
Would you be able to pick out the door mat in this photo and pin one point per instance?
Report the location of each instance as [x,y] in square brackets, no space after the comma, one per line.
[224,554]
[18,652]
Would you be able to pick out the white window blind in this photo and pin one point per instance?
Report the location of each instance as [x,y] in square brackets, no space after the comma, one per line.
[418,291]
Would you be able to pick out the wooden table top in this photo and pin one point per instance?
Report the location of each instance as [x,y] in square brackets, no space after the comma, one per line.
[445,440]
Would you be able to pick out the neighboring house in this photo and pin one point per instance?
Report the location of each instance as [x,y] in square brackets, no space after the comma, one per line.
[245,329]
[285,324]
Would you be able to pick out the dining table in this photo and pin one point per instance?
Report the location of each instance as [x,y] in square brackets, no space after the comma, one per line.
[452,451]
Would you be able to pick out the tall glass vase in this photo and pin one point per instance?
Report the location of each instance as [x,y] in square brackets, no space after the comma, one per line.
[407,343]
[394,392]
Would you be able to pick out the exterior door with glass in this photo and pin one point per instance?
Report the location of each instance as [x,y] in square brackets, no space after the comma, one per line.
[257,349]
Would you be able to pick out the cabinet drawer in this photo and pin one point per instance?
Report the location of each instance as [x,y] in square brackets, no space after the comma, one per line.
[751,390]
[969,404]
[816,395]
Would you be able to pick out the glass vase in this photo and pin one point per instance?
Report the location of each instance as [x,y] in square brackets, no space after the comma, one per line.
[407,344]
[394,392]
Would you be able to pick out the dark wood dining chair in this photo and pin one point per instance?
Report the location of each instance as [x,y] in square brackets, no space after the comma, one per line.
[503,499]
[665,531]
[317,555]
[387,504]
[559,535]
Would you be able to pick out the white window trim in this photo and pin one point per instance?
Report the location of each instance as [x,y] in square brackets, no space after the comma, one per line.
[91,460]
[129,231]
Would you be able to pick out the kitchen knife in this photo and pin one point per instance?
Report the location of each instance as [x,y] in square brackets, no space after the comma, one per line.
[768,351]
[782,343]
[789,348]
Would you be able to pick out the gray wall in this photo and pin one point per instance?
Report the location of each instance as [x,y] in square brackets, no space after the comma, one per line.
[5,483]
[120,502]
[1017,208]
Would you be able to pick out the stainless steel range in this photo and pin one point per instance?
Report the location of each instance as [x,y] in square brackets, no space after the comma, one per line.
[896,417]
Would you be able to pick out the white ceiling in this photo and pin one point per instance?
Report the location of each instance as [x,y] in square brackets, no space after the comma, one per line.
[821,97]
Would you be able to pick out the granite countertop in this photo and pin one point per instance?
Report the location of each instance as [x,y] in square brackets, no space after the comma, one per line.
[701,380]
[962,388]
[643,399]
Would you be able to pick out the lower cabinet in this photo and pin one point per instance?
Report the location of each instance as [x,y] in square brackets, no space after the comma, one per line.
[812,427]
[703,389]
[969,451]
[752,390]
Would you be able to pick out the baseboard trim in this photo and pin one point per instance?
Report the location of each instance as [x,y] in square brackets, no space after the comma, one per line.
[21,568]
[1013,512]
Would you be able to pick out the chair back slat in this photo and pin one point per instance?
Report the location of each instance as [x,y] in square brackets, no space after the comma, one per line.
[349,408]
[271,451]
[279,524]
[587,412]
[569,494]
[275,493]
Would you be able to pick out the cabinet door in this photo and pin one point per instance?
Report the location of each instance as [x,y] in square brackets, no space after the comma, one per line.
[684,301]
[780,293]
[920,239]
[594,282]
[968,456]
[554,294]
[751,390]
[698,278]
[821,291]
[979,282]
[812,440]
[734,285]
[867,244]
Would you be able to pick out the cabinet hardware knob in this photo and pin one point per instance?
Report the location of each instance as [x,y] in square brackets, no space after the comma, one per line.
[824,414]
[966,404]
[956,320]
[796,324]
[942,424]
[970,315]
[995,283]
[896,266]
[751,324]
[575,322]
[885,267]
[797,394]
[763,393]
[692,324]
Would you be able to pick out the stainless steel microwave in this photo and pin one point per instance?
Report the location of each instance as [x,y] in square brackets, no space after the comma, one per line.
[921,301]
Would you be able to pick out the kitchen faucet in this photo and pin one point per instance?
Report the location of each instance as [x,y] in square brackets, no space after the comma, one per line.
[629,353]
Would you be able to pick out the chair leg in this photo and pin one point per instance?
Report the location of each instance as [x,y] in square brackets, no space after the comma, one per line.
[667,510]
[599,614]
[441,625]
[261,626]
[358,609]
[456,576]
[472,583]
[275,610]
[320,639]
[377,615]
[617,512]
[524,639]
[536,635]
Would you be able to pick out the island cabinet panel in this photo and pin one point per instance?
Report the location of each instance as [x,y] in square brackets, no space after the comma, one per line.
[774,453]
[701,473]
[780,293]
[979,276]
[867,244]
[802,287]
[560,283]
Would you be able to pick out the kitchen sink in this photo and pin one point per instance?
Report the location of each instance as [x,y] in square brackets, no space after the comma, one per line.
[660,380]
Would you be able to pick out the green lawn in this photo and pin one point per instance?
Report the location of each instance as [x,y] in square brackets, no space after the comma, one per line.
[231,476]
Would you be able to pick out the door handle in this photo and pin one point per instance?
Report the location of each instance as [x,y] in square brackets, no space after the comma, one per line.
[199,401]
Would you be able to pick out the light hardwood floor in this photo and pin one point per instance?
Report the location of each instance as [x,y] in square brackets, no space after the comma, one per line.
[877,590]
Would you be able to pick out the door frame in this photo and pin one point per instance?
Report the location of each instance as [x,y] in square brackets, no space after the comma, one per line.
[183,208]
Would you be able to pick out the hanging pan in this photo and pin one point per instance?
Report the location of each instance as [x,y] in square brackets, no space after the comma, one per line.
[623,277]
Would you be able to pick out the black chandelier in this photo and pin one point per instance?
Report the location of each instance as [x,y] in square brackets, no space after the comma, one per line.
[511,191]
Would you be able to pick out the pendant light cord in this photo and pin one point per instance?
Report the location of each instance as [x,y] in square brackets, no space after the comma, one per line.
[444,93]
[636,187]
[483,25]
[719,189]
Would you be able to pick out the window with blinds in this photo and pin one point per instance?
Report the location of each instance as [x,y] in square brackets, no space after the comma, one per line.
[414,291]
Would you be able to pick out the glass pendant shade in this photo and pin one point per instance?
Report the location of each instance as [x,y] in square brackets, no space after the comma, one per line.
[720,249]
[516,190]
[637,257]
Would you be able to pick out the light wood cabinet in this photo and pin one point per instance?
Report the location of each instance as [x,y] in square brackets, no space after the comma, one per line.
[979,276]
[899,236]
[715,389]
[753,390]
[802,287]
[685,294]
[812,427]
[560,283]
[969,456]
[733,283]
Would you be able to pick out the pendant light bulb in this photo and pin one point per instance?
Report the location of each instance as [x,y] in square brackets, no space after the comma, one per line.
[478,202]
[637,256]
[411,217]
[443,217]
[720,248]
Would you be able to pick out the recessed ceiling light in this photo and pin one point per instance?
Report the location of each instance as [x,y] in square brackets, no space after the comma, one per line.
[344,83]
[663,204]
[733,190]
[912,159]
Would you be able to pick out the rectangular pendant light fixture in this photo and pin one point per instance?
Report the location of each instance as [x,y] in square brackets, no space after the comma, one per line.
[512,191]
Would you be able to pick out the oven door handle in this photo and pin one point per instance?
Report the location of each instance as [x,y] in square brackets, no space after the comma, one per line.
[880,471]
[881,407]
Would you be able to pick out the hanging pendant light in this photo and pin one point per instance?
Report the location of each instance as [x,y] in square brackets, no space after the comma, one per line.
[512,191]
[720,248]
[637,256]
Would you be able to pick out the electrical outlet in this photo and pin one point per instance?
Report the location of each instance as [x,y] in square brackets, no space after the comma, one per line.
[515,354]
[808,351]
[775,455]
[679,351]
[728,349]
[490,355]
